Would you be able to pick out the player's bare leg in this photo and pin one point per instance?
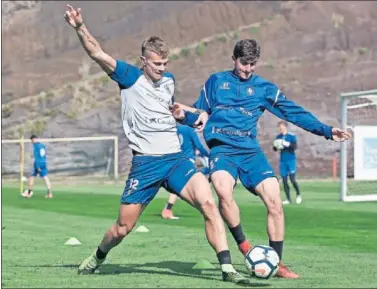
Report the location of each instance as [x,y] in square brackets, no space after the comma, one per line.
[269,192]
[197,192]
[167,212]
[48,186]
[127,218]
[224,183]
[29,192]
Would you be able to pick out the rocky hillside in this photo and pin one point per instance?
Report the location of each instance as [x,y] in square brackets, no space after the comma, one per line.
[312,50]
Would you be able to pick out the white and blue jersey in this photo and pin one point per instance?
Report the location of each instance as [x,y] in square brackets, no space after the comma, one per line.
[152,133]
[40,160]
[147,122]
[287,154]
[234,106]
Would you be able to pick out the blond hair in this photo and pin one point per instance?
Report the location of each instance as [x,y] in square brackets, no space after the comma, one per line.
[156,45]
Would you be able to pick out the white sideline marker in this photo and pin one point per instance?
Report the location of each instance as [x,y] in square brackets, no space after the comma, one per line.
[142,229]
[72,242]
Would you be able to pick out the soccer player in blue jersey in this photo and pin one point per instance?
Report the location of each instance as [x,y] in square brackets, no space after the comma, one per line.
[286,144]
[150,127]
[234,101]
[189,142]
[39,168]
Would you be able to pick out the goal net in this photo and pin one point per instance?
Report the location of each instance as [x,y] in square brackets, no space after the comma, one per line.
[359,156]
[95,157]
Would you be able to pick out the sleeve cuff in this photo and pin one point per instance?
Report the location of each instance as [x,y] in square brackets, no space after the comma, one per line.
[328,132]
[190,118]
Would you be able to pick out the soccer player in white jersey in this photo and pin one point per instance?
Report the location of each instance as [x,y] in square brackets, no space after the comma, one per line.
[150,127]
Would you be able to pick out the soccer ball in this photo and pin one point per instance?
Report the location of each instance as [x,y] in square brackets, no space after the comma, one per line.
[262,261]
[278,144]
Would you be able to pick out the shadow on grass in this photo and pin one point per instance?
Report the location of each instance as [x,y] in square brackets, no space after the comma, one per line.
[170,268]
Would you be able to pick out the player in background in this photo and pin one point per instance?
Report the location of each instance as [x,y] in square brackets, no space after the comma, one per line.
[39,168]
[150,127]
[286,144]
[234,101]
[204,162]
[189,142]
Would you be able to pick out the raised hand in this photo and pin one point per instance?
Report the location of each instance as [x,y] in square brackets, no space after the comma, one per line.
[340,135]
[73,16]
[201,121]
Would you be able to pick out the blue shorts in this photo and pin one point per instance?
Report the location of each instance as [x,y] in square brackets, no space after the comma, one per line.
[42,172]
[287,168]
[250,166]
[149,173]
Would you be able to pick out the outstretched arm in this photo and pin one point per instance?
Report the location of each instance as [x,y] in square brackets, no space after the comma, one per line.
[189,116]
[279,105]
[93,49]
[197,115]
[187,108]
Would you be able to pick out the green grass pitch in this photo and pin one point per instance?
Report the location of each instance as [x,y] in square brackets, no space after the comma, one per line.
[331,244]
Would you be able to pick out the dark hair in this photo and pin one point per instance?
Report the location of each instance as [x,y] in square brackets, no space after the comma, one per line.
[283,122]
[33,136]
[248,50]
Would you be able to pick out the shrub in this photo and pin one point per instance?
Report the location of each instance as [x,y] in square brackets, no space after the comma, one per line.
[7,110]
[200,49]
[363,50]
[221,38]
[37,127]
[50,95]
[173,57]
[185,52]
[254,30]
[104,79]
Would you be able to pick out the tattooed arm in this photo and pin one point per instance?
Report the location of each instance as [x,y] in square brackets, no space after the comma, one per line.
[90,44]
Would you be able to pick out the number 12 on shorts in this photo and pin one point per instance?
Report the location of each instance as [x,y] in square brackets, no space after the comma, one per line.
[131,186]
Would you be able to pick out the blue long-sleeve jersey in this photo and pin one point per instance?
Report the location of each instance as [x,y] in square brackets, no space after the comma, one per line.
[189,141]
[39,153]
[288,154]
[235,106]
